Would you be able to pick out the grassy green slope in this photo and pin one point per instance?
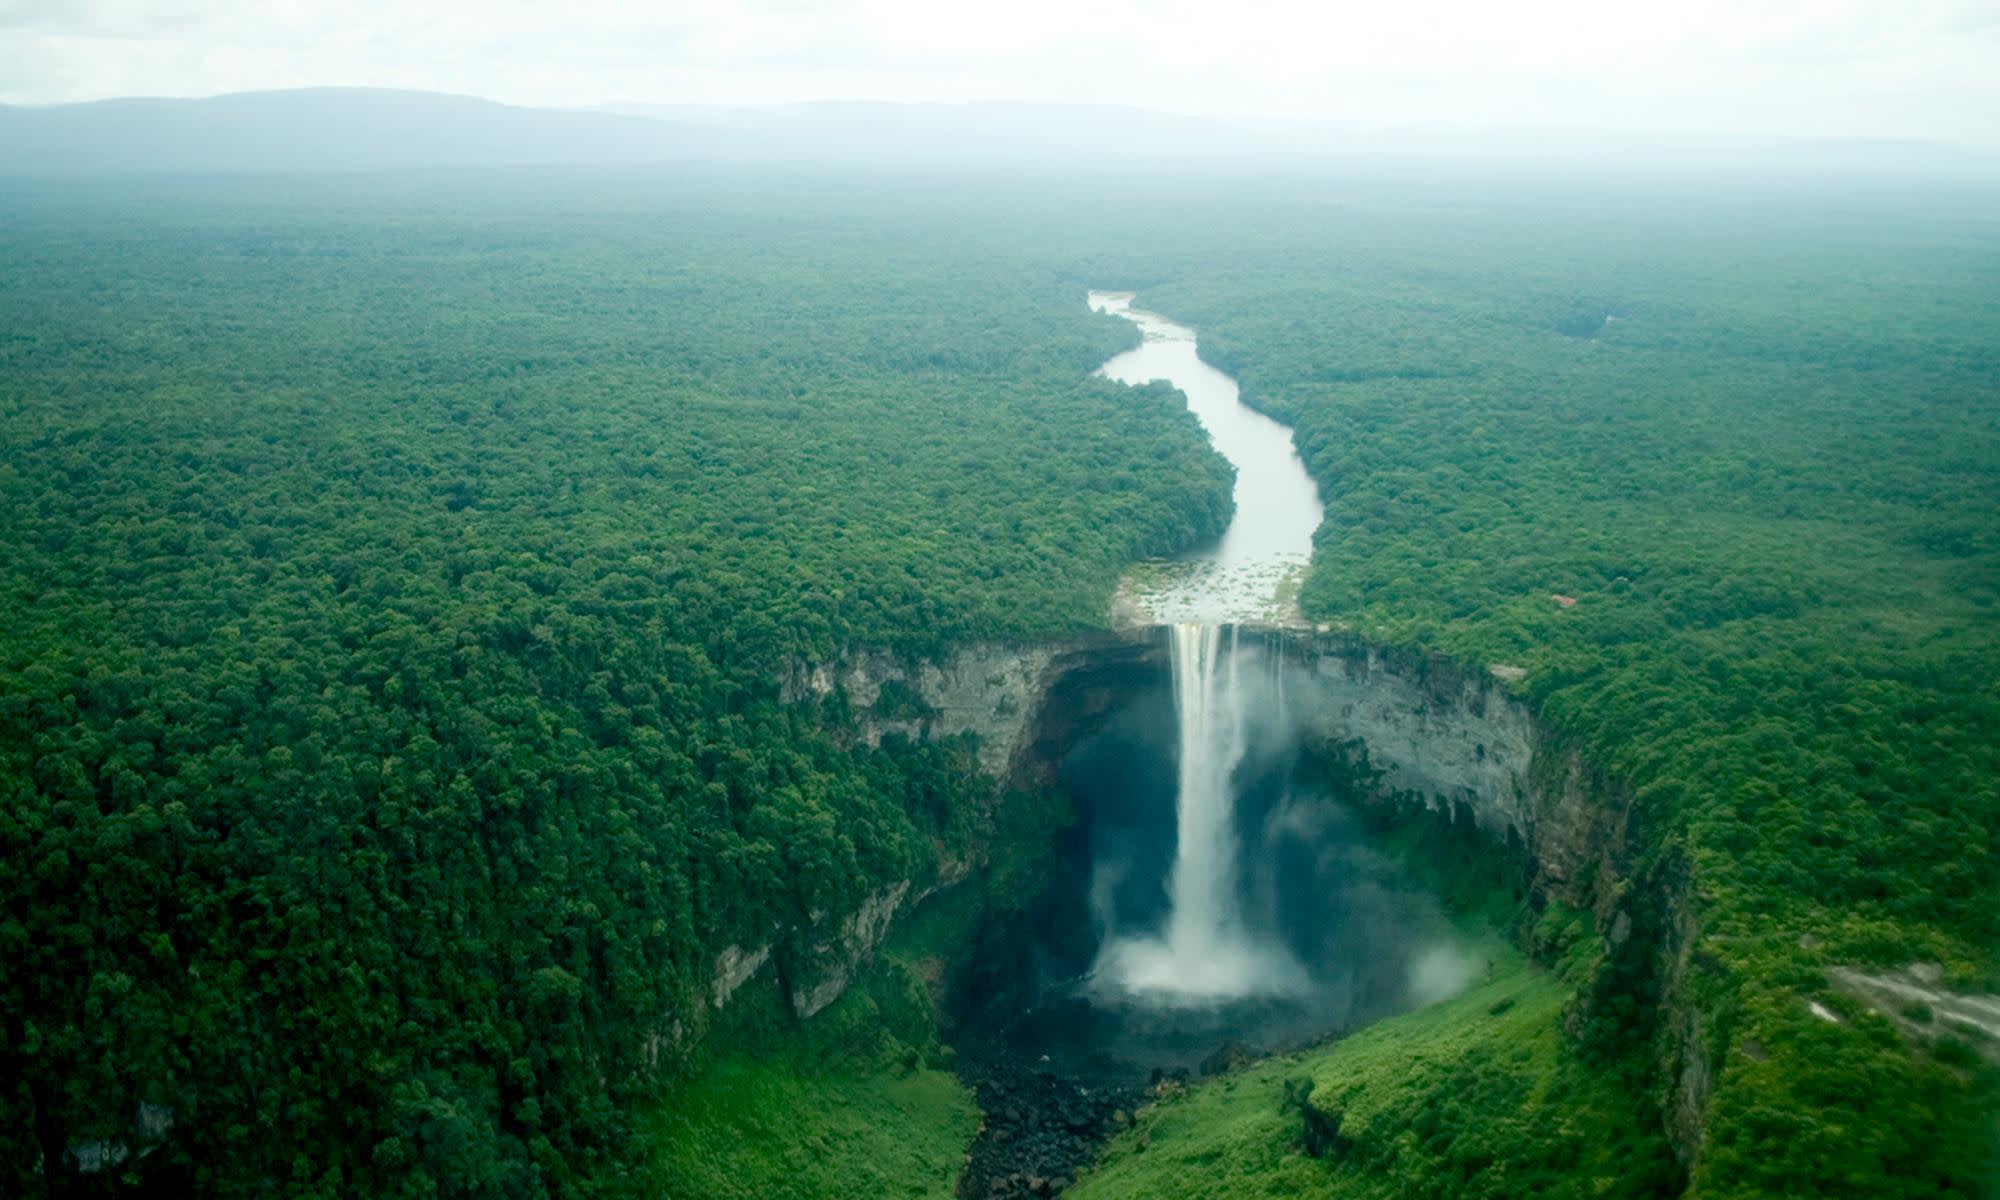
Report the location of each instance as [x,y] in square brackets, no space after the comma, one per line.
[771,1127]
[841,1108]
[858,1102]
[1470,1097]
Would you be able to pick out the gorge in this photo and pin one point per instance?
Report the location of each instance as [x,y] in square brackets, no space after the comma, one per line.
[1205,951]
[1236,776]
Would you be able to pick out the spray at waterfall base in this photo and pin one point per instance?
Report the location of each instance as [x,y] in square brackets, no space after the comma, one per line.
[1220,889]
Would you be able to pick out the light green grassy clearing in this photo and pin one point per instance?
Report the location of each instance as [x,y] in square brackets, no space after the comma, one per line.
[765,1126]
[1473,1096]
[855,1103]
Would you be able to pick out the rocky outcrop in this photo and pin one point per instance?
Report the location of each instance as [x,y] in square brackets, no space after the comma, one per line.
[830,963]
[1687,1051]
[986,689]
[1432,735]
[1916,1002]
[996,693]
[1425,731]
[1422,731]
[825,967]
[733,968]
[150,1126]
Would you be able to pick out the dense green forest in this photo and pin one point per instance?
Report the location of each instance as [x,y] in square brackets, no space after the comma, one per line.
[395,589]
[1757,439]
[396,573]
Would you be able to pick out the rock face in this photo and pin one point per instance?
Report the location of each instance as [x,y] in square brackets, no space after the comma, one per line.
[995,692]
[986,689]
[1423,731]
[150,1126]
[1916,1001]
[1435,734]
[828,963]
[832,961]
[1436,738]
[1419,731]
[733,968]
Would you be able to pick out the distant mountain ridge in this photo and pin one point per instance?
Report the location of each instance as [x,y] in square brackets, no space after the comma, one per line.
[377,129]
[864,129]
[320,129]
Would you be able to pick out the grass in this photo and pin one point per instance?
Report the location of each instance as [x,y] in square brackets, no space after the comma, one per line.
[859,1102]
[856,1104]
[1473,1096]
[773,1125]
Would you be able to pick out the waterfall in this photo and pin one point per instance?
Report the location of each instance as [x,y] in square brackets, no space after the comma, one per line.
[1205,952]
[1208,699]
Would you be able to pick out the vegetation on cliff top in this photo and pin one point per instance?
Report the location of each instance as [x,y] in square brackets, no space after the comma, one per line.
[393,589]
[394,579]
[1756,437]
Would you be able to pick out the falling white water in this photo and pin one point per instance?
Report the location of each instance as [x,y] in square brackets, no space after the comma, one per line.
[1208,697]
[1278,685]
[1206,953]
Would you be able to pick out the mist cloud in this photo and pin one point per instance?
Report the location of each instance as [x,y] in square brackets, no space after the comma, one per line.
[1845,68]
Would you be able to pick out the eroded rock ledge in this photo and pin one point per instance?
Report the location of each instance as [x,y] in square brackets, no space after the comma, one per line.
[1415,731]
[1000,694]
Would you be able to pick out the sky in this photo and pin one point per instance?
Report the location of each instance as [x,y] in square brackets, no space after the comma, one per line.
[1926,69]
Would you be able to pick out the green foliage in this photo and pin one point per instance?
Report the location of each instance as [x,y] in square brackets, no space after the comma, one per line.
[854,1103]
[395,587]
[1772,483]
[397,577]
[1846,1107]
[1471,1097]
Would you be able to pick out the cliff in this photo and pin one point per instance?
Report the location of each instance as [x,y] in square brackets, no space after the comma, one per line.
[1416,732]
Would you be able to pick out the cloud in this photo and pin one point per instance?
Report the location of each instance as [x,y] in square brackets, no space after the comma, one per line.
[1919,68]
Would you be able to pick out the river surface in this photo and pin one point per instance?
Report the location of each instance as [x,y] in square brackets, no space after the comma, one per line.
[1253,573]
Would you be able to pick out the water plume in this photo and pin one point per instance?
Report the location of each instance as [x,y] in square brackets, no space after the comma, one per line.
[1207,952]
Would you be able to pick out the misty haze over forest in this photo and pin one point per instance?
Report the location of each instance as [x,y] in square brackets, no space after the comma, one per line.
[1919,70]
[372,129]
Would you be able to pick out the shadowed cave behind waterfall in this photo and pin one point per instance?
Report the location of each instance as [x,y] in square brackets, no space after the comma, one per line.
[1315,926]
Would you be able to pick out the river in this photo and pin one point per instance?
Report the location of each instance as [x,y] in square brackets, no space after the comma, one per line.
[1253,573]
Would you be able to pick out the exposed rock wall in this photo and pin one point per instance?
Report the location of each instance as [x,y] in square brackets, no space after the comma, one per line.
[994,691]
[733,968]
[150,1126]
[1429,732]
[827,964]
[987,689]
[1436,736]
[1424,730]
[831,962]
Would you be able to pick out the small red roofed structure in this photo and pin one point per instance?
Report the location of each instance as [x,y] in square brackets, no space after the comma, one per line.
[1564,601]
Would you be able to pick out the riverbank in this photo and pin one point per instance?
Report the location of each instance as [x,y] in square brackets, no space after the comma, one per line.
[1253,573]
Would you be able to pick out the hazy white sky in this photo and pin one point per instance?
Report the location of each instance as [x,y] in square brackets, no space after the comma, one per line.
[1920,68]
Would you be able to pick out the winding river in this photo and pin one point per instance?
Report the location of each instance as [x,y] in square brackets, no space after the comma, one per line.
[1253,574]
